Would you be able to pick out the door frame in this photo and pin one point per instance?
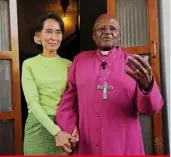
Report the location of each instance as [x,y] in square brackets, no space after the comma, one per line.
[13,56]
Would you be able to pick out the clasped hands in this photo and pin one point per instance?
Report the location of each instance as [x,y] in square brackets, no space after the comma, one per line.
[66,141]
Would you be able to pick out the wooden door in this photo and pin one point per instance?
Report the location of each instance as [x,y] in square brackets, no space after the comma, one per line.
[139,35]
[10,109]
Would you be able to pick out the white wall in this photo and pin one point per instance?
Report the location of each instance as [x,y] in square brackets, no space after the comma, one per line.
[165,42]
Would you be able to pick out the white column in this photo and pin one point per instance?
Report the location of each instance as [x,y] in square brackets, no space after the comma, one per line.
[165,41]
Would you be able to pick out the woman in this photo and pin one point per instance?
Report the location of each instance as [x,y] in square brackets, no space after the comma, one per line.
[44,79]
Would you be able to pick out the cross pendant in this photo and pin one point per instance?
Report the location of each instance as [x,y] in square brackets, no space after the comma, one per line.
[105,88]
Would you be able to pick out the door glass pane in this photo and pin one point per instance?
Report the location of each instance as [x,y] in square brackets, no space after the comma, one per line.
[6,138]
[147,133]
[4,26]
[5,86]
[132,15]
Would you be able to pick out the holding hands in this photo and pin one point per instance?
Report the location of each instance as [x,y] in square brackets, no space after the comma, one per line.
[66,141]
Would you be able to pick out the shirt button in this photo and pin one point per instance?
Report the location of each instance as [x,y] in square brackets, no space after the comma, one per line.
[97,115]
[97,101]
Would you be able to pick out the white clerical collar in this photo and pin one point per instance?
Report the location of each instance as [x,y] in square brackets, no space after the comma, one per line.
[104,52]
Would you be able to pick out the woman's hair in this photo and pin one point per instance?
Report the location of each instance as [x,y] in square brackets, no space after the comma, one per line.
[41,20]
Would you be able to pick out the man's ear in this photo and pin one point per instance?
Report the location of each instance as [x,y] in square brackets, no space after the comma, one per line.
[119,39]
[93,36]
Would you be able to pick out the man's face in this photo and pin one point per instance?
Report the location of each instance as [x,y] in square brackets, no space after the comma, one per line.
[106,33]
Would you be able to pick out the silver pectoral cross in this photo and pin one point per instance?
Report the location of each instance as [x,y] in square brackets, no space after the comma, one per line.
[104,87]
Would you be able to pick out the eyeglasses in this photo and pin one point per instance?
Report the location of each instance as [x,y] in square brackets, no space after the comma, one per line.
[106,28]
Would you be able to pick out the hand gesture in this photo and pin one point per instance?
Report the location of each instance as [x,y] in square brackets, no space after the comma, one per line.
[139,69]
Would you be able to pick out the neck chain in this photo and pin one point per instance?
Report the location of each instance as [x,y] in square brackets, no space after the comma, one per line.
[103,62]
[103,67]
[102,70]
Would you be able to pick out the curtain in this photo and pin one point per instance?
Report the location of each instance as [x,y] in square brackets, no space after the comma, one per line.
[132,15]
[4,26]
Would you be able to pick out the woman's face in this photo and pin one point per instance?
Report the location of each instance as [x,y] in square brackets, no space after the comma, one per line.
[51,35]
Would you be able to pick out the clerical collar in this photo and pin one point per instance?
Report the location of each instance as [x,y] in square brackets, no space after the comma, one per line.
[104,52]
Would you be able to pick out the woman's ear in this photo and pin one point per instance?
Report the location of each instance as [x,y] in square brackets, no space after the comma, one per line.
[37,38]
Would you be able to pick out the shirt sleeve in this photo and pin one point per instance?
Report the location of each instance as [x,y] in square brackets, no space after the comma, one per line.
[32,99]
[151,102]
[67,112]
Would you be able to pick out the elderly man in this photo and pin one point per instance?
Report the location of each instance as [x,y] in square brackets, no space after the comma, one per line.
[108,88]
